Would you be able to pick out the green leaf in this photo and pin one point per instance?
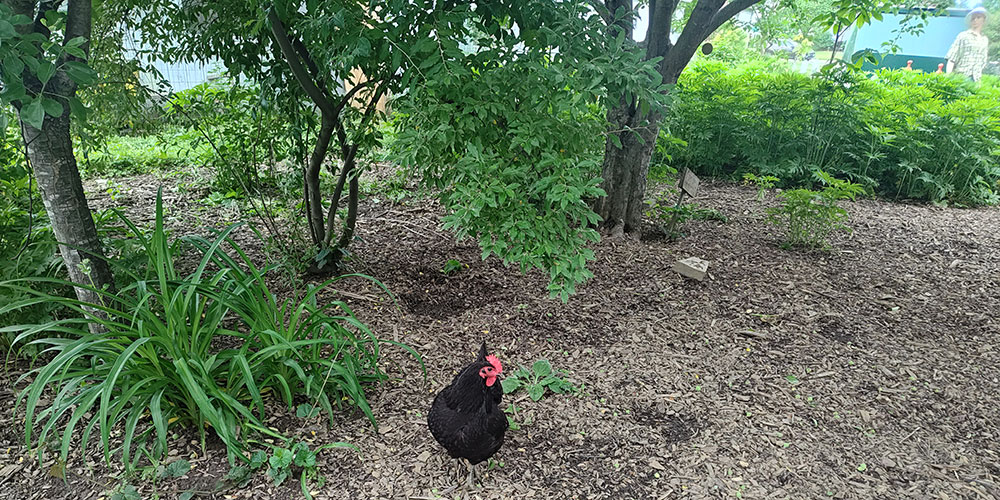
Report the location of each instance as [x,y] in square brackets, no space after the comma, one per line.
[281,459]
[75,52]
[77,109]
[278,475]
[510,384]
[12,66]
[45,71]
[615,140]
[542,368]
[80,73]
[177,468]
[3,122]
[76,41]
[6,30]
[258,459]
[536,391]
[33,113]
[52,107]
[187,495]
[306,410]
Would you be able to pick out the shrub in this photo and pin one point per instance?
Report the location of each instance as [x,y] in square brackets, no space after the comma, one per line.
[200,350]
[810,216]
[239,127]
[899,134]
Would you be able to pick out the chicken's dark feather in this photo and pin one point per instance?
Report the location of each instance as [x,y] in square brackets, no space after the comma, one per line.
[466,418]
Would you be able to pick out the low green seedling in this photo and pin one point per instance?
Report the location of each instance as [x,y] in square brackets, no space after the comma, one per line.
[762,183]
[451,266]
[662,211]
[285,462]
[536,381]
[809,217]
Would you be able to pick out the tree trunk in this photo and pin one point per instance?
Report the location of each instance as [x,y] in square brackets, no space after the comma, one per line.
[625,169]
[50,151]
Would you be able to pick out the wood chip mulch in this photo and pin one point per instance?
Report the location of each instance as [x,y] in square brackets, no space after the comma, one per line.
[869,371]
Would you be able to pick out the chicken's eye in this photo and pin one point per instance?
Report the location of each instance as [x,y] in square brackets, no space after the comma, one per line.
[487,371]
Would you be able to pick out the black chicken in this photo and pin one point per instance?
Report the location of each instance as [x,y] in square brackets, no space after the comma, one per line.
[466,417]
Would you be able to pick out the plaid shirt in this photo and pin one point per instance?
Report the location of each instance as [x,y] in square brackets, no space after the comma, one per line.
[969,53]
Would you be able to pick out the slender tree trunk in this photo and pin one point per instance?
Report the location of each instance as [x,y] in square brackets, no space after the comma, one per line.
[50,151]
[312,192]
[625,169]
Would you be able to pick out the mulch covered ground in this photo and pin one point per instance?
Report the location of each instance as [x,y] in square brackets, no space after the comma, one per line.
[870,371]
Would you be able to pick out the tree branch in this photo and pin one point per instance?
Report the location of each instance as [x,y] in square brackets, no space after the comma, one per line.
[661,13]
[695,32]
[729,11]
[79,22]
[295,64]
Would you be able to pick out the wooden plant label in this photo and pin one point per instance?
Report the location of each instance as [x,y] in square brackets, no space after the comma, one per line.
[689,183]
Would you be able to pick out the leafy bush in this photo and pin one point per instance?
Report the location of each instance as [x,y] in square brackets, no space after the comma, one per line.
[899,134]
[518,154]
[810,216]
[239,127]
[200,350]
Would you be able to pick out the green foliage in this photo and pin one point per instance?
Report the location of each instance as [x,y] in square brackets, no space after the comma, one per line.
[451,266]
[121,156]
[199,350]
[810,216]
[762,183]
[899,134]
[513,135]
[537,380]
[239,127]
[663,212]
[27,52]
[284,462]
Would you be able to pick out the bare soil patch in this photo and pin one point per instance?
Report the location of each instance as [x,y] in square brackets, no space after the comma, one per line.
[870,371]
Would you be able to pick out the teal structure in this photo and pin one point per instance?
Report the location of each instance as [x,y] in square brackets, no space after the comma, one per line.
[927,49]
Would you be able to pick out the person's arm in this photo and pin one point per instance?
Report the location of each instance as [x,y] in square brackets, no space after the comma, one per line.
[953,53]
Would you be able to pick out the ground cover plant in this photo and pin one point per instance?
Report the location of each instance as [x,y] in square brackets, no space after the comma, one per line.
[169,354]
[808,217]
[899,134]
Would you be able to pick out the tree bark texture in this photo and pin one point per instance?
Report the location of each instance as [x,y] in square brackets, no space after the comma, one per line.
[50,151]
[625,170]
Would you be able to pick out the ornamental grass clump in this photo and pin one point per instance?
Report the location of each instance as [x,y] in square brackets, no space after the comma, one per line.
[204,350]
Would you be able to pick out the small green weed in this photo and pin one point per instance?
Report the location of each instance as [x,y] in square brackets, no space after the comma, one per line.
[285,462]
[537,380]
[810,216]
[662,211]
[762,183]
[452,266]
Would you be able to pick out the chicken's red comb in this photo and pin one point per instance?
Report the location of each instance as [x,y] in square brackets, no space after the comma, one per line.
[493,360]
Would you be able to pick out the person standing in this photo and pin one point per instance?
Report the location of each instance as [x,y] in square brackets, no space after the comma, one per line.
[968,55]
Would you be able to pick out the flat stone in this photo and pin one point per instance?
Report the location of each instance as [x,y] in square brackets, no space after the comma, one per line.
[692,267]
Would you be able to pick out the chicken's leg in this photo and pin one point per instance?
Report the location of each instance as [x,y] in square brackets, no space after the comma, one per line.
[474,475]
